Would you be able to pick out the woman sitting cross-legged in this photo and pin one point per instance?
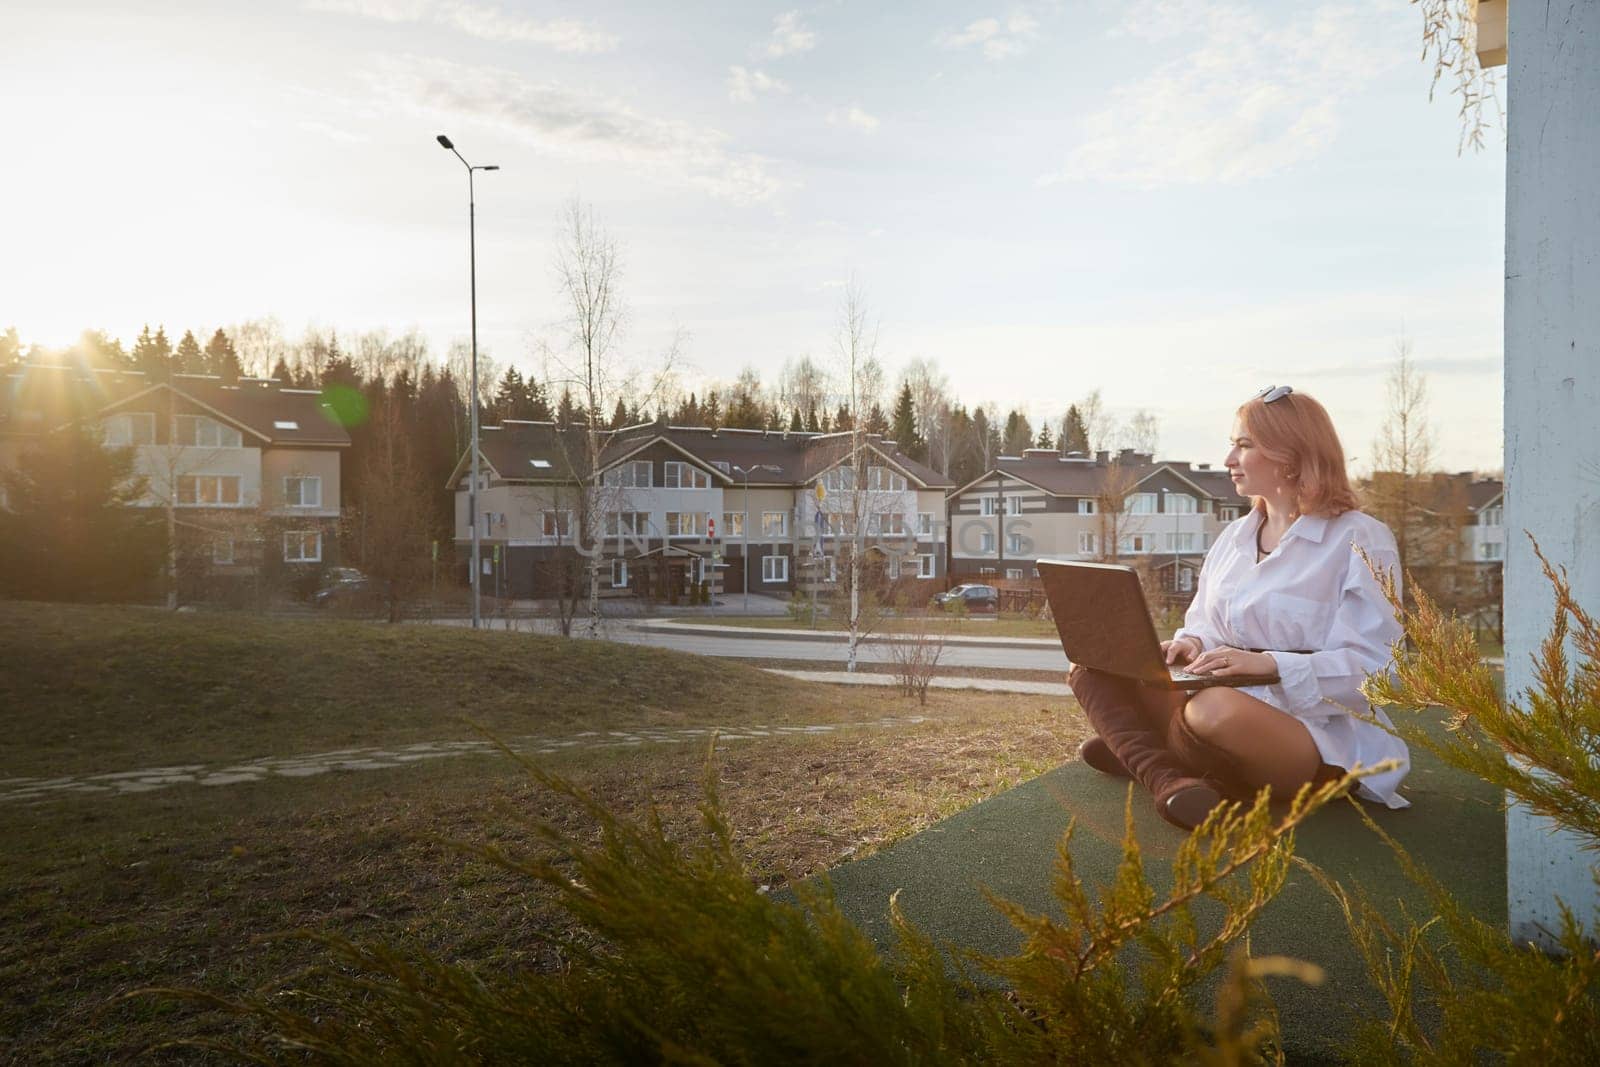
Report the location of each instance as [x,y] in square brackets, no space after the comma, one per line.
[1283,590]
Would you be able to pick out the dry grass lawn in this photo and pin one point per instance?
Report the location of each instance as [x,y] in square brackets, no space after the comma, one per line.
[185,886]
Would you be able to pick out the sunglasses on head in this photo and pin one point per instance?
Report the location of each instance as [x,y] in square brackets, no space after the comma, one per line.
[1273,392]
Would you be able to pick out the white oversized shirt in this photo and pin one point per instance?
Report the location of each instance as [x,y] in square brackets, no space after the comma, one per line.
[1317,609]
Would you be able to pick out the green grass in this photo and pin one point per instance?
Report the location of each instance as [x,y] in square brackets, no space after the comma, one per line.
[101,895]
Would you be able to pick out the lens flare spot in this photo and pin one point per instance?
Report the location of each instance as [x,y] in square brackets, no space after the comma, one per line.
[344,405]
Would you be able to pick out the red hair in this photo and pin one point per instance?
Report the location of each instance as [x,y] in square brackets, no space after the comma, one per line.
[1296,432]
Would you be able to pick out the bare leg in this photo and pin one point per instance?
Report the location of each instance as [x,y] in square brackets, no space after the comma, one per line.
[1266,746]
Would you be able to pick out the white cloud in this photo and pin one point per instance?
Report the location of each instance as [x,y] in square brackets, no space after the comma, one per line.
[853,116]
[1252,97]
[998,39]
[481,20]
[579,125]
[789,36]
[743,85]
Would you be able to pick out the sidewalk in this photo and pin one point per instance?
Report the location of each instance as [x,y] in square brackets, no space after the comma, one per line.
[990,685]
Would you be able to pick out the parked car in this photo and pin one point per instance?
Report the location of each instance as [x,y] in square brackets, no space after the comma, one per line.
[976,597]
[346,586]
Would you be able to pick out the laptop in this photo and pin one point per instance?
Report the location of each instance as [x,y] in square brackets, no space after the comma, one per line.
[1103,621]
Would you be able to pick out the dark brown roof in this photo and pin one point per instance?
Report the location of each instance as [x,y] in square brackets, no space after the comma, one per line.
[791,458]
[40,397]
[1086,476]
[1483,491]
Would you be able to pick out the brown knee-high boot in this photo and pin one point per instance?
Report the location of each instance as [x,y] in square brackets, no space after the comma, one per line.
[1118,713]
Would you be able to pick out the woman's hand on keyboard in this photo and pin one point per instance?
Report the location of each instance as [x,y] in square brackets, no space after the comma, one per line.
[1225,662]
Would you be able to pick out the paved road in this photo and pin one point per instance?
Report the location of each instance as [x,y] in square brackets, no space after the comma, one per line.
[756,647]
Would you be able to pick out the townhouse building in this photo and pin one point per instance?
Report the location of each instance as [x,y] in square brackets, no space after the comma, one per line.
[1125,506]
[249,470]
[682,509]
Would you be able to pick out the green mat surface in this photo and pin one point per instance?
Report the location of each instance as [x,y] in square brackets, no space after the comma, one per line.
[1455,827]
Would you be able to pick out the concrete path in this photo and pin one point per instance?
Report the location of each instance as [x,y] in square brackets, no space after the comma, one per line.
[149,779]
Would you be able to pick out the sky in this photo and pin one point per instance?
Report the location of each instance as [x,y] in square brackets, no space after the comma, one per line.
[1175,202]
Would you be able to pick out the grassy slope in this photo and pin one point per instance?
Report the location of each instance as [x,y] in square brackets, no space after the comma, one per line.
[100,895]
[98,688]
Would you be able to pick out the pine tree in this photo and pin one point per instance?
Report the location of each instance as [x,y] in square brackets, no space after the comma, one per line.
[153,355]
[1074,432]
[339,369]
[1018,435]
[510,398]
[619,417]
[811,419]
[711,410]
[566,412]
[69,529]
[189,359]
[795,423]
[842,422]
[876,421]
[282,374]
[221,359]
[538,402]
[905,425]
[1045,440]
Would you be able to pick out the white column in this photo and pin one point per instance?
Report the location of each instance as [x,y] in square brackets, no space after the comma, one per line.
[1552,382]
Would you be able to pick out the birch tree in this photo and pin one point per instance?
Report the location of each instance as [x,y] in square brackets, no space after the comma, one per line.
[1402,453]
[856,344]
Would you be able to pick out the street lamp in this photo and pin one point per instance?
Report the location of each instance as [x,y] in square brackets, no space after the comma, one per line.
[744,528]
[472,253]
[1167,507]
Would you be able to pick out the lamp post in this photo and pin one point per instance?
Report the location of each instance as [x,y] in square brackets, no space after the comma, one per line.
[472,256]
[744,527]
[1166,506]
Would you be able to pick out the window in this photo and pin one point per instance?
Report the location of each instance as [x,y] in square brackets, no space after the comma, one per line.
[721,465]
[989,505]
[302,492]
[1185,580]
[774,568]
[131,428]
[1140,503]
[1181,542]
[1227,514]
[686,523]
[285,424]
[1495,516]
[733,524]
[490,518]
[1014,574]
[1180,504]
[222,551]
[558,524]
[1013,505]
[1136,544]
[1014,544]
[890,525]
[202,431]
[685,476]
[925,565]
[1088,543]
[1086,506]
[628,523]
[619,574]
[302,546]
[924,524]
[1491,550]
[986,541]
[882,478]
[634,475]
[774,524]
[839,480]
[213,490]
[542,464]
[985,570]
